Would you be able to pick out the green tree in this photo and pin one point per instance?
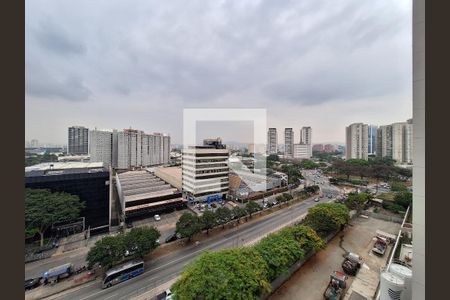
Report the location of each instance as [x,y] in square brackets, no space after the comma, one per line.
[282,249]
[227,274]
[44,208]
[107,252]
[398,187]
[308,164]
[357,200]
[223,215]
[327,217]
[208,220]
[251,207]
[141,241]
[188,225]
[238,212]
[403,199]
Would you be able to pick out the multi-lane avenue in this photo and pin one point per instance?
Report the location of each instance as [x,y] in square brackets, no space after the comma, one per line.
[168,267]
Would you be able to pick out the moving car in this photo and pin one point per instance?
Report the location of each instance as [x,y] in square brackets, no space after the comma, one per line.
[157,217]
[316,200]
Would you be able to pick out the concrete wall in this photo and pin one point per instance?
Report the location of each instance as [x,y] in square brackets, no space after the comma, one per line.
[418,280]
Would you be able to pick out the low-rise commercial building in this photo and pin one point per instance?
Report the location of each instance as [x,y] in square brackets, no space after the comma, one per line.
[88,181]
[143,194]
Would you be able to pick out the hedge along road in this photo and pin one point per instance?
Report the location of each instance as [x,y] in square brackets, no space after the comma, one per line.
[166,268]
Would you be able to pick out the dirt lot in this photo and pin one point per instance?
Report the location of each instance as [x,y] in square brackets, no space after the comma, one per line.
[310,281]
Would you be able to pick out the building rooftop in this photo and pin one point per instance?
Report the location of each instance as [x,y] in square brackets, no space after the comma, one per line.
[57,168]
[139,185]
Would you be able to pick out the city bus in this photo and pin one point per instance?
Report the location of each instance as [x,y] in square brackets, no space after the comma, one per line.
[122,273]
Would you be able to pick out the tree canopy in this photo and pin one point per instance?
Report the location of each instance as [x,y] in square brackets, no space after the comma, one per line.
[44,208]
[357,200]
[223,215]
[107,252]
[208,220]
[188,225]
[282,249]
[251,207]
[228,274]
[141,241]
[325,218]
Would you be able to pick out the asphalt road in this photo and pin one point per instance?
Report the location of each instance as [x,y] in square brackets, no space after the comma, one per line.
[313,177]
[76,257]
[166,268]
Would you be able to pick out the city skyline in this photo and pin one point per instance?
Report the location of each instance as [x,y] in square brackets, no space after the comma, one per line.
[140,65]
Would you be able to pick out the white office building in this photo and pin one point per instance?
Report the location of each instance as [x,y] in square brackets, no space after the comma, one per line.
[302,151]
[205,171]
[103,146]
[357,141]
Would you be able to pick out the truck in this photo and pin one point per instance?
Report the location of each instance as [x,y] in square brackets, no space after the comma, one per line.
[380,246]
[336,287]
[56,273]
[352,263]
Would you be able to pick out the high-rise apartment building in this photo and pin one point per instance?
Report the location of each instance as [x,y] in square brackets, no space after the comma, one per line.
[305,135]
[288,143]
[205,171]
[129,148]
[78,137]
[272,141]
[103,147]
[306,139]
[395,141]
[357,141]
[398,131]
[408,142]
[384,141]
[372,140]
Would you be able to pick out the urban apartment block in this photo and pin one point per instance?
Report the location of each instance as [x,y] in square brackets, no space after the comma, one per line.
[129,148]
[357,141]
[78,140]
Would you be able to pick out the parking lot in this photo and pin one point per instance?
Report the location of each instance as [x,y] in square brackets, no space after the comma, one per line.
[311,280]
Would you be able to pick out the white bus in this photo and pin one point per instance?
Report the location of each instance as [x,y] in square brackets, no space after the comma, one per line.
[122,273]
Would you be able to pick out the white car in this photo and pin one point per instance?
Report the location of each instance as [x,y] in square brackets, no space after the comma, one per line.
[316,200]
[157,217]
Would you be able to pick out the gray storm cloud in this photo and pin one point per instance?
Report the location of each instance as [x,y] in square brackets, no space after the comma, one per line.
[199,53]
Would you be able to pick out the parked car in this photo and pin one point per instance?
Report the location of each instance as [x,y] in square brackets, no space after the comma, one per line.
[213,205]
[316,200]
[166,295]
[32,283]
[157,217]
[171,238]
[380,246]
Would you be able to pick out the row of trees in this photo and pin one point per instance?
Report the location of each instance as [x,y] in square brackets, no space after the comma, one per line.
[112,250]
[380,169]
[188,224]
[246,273]
[44,208]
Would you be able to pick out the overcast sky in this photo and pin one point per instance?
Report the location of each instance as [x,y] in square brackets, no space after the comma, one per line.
[121,64]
